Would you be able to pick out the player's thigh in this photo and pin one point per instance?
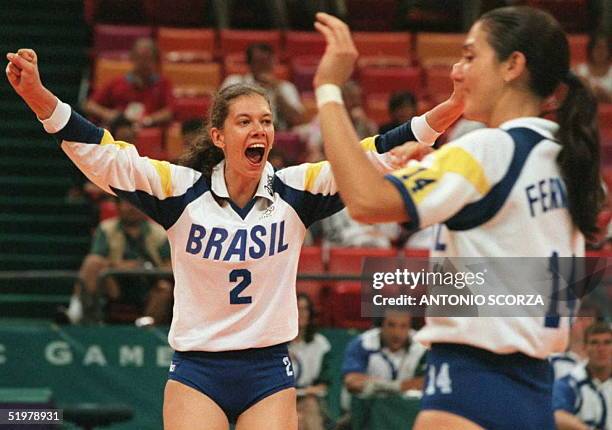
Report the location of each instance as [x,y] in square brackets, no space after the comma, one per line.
[187,409]
[275,412]
[440,420]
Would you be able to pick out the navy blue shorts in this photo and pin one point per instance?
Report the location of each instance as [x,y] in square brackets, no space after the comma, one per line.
[497,392]
[235,380]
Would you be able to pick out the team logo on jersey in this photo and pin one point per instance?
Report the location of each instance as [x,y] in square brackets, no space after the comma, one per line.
[268,185]
[267,213]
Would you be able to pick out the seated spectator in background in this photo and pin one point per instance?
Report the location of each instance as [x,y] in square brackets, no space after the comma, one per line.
[340,230]
[583,399]
[190,130]
[129,241]
[286,106]
[364,126]
[385,359]
[597,71]
[402,107]
[309,357]
[575,355]
[143,96]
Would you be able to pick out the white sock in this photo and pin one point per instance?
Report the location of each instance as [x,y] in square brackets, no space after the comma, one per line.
[75,310]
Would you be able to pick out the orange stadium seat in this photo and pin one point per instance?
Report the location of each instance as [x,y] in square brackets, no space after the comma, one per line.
[232,41]
[117,40]
[107,69]
[303,43]
[386,80]
[311,262]
[439,48]
[378,48]
[186,44]
[193,78]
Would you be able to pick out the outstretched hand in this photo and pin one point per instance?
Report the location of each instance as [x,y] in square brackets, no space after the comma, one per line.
[22,72]
[338,61]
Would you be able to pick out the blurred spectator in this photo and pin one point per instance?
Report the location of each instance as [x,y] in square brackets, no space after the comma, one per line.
[143,96]
[129,241]
[364,126]
[402,107]
[287,107]
[385,359]
[310,359]
[564,363]
[341,230]
[190,130]
[277,158]
[583,399]
[597,71]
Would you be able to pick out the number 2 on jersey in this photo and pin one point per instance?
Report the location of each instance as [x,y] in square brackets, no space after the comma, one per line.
[244,276]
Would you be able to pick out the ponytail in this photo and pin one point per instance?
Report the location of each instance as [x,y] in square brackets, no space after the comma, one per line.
[579,157]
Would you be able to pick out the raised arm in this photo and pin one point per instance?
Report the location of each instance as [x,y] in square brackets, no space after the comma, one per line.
[114,166]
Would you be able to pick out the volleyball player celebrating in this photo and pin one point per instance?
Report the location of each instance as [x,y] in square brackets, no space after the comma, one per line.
[236,228]
[485,372]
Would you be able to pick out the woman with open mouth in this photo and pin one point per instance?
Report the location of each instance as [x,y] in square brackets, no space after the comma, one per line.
[236,227]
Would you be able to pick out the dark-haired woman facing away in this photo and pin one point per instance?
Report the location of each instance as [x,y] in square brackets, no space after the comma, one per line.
[523,187]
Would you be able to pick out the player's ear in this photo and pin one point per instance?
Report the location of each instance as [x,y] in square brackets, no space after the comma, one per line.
[216,135]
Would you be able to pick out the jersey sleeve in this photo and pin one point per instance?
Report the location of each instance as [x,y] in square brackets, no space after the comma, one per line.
[311,190]
[355,358]
[462,173]
[564,395]
[158,188]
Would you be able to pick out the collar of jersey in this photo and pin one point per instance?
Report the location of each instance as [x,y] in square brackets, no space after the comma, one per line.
[264,189]
[543,126]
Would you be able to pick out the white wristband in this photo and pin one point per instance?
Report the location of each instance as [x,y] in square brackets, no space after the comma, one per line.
[58,119]
[423,131]
[328,93]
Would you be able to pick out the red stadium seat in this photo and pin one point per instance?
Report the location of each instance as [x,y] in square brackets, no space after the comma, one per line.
[191,107]
[345,306]
[290,145]
[392,49]
[439,83]
[149,143]
[117,40]
[311,262]
[237,41]
[350,260]
[578,48]
[186,44]
[371,15]
[386,80]
[416,252]
[303,43]
[303,70]
[377,108]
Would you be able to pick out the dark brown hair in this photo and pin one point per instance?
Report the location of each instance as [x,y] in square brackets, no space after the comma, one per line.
[600,327]
[203,155]
[539,37]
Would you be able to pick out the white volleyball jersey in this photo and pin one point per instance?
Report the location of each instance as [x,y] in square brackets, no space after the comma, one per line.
[496,193]
[234,268]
